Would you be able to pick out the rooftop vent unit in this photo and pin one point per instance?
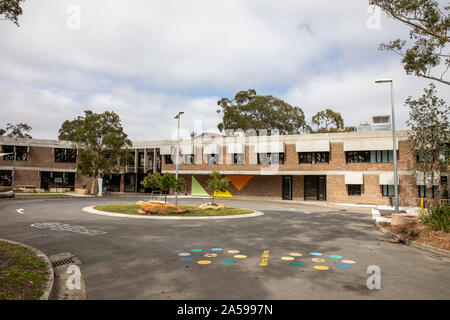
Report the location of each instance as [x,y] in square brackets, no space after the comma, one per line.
[379,123]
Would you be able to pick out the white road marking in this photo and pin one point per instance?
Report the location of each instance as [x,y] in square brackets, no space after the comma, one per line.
[20,210]
[56,226]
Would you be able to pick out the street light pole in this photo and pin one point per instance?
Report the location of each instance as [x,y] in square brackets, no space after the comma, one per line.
[394,140]
[178,116]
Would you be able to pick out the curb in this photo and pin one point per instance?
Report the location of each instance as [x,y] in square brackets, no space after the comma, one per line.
[121,215]
[49,286]
[413,244]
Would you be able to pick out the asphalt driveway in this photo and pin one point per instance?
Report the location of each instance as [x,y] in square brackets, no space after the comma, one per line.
[139,259]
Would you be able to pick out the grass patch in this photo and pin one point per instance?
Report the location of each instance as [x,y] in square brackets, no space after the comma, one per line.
[31,195]
[23,275]
[192,211]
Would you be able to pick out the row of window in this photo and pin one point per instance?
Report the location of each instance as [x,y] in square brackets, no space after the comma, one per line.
[369,156]
[356,190]
[21,152]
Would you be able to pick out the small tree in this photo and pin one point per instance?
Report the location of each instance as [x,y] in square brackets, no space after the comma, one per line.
[430,133]
[164,182]
[19,130]
[217,183]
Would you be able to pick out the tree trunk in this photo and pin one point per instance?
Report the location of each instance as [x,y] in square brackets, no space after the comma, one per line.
[93,185]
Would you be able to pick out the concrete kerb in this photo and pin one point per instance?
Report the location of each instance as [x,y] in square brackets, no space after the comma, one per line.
[121,215]
[414,244]
[49,285]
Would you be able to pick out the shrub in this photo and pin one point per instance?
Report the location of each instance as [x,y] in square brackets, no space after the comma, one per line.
[414,233]
[439,218]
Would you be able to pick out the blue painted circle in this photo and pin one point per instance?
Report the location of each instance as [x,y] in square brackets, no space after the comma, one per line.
[216,249]
[344,266]
[315,253]
[186,259]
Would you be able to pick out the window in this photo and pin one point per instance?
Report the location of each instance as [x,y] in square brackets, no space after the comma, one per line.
[421,158]
[21,153]
[423,191]
[188,159]
[388,190]
[65,155]
[354,189]
[212,158]
[270,158]
[168,159]
[377,156]
[305,157]
[238,158]
[321,157]
[5,178]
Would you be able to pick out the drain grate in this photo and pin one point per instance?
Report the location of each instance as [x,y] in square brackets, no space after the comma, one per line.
[62,262]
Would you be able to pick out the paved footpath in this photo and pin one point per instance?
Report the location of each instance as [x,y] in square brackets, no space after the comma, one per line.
[293,251]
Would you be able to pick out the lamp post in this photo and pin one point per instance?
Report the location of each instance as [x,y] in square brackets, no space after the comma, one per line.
[394,139]
[178,117]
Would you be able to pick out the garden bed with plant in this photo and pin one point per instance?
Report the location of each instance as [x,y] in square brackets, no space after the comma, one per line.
[187,210]
[23,275]
[431,229]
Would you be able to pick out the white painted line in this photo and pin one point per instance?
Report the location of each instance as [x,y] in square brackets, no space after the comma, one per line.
[21,210]
[120,215]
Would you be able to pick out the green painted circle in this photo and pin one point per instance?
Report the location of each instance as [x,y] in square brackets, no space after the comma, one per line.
[229,261]
[297,264]
[197,250]
[335,256]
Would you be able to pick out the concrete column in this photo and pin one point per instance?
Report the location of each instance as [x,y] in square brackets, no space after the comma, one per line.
[135,170]
[154,160]
[145,161]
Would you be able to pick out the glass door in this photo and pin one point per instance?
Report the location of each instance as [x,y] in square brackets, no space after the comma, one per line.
[287,187]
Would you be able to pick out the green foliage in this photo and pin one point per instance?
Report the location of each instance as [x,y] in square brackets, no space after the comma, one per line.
[439,218]
[427,49]
[11,10]
[430,133]
[164,182]
[414,233]
[19,130]
[251,111]
[328,121]
[217,183]
[100,140]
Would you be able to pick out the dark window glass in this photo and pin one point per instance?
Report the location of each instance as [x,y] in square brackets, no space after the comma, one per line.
[65,155]
[5,178]
[57,180]
[305,157]
[21,153]
[354,189]
[388,190]
[188,159]
[357,156]
[270,158]
[423,191]
[321,157]
[238,158]
[168,159]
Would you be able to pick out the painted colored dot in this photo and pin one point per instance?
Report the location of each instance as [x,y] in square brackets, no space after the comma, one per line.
[233,251]
[287,258]
[335,256]
[321,268]
[295,254]
[344,266]
[204,262]
[229,261]
[317,260]
[197,250]
[240,256]
[348,261]
[184,254]
[216,249]
[210,255]
[297,264]
[315,253]
[186,259]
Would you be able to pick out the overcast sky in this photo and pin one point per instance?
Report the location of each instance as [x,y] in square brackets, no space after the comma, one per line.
[146,60]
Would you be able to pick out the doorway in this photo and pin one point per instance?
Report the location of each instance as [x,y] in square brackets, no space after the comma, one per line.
[287,187]
[315,188]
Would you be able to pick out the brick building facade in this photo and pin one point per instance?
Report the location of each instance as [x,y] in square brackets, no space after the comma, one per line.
[353,167]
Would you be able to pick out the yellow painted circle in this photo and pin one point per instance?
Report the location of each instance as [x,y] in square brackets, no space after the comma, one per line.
[321,268]
[287,258]
[318,260]
[204,262]
[233,251]
[295,254]
[240,256]
[210,255]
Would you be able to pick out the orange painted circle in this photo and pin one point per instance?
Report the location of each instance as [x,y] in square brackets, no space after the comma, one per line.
[287,258]
[318,260]
[295,254]
[233,251]
[240,256]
